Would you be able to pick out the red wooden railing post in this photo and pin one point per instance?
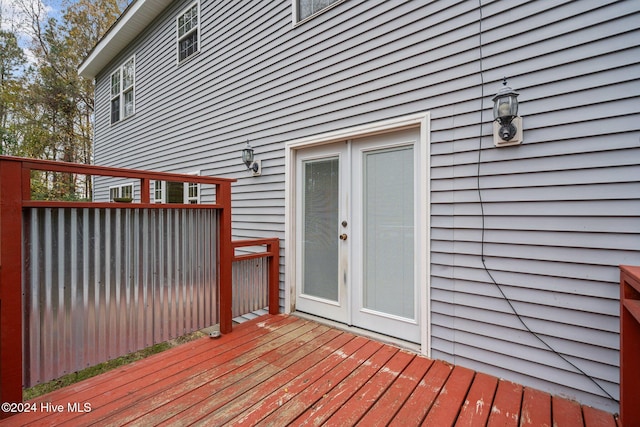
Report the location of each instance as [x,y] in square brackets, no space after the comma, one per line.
[274,277]
[629,345]
[144,190]
[10,282]
[223,198]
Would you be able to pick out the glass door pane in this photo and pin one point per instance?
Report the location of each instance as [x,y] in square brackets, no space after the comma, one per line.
[388,232]
[320,218]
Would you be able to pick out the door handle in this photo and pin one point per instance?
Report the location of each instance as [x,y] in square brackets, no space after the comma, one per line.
[343,237]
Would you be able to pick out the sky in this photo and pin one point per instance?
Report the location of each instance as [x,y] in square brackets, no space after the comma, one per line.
[12,18]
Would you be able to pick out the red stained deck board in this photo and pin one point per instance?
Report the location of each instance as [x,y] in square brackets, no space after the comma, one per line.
[107,385]
[162,392]
[536,408]
[178,398]
[596,418]
[212,396]
[451,398]
[275,400]
[383,411]
[242,333]
[370,392]
[506,405]
[477,406]
[419,402]
[330,402]
[279,369]
[283,381]
[277,382]
[566,413]
[161,361]
[293,408]
[174,382]
[190,372]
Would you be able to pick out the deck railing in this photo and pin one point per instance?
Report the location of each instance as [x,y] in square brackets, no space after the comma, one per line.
[629,345]
[249,292]
[15,201]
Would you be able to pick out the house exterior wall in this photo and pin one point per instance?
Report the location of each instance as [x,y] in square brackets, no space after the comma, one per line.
[558,213]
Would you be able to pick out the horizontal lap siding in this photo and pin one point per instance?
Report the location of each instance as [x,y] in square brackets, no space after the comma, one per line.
[259,78]
[561,210]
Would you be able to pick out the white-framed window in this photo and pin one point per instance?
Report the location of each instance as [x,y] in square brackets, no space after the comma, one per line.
[122,192]
[123,91]
[192,193]
[188,27]
[158,192]
[176,192]
[303,9]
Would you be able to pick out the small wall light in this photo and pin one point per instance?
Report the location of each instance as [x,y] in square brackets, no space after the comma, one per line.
[507,128]
[247,157]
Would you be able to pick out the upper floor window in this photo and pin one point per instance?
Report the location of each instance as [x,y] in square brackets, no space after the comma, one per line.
[306,8]
[188,32]
[123,91]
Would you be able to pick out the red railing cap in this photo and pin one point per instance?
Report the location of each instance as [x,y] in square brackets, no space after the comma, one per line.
[78,168]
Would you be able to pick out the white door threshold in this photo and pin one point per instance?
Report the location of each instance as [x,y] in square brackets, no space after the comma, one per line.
[406,345]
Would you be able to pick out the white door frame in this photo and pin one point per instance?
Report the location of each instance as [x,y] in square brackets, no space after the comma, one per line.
[422,150]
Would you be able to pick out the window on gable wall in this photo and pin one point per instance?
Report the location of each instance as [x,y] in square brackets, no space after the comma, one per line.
[306,8]
[188,32]
[123,91]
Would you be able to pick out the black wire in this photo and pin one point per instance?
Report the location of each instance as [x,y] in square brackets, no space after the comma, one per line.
[483,229]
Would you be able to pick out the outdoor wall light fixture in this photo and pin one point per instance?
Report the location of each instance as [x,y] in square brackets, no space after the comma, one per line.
[507,128]
[255,166]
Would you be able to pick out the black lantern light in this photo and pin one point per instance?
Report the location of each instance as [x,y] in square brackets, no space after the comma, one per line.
[249,160]
[505,109]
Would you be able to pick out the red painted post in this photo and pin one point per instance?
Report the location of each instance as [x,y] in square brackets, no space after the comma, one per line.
[274,277]
[26,183]
[10,282]
[629,345]
[144,190]
[223,198]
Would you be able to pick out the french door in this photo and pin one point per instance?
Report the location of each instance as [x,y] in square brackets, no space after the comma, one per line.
[356,216]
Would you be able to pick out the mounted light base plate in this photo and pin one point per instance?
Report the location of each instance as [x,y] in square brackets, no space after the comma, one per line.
[258,171]
[517,138]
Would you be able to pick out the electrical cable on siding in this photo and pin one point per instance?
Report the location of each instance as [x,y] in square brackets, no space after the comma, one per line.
[482,239]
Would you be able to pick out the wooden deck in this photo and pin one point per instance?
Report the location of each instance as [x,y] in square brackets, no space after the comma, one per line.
[283,370]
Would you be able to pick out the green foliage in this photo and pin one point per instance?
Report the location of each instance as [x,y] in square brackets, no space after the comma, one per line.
[11,60]
[46,108]
[56,186]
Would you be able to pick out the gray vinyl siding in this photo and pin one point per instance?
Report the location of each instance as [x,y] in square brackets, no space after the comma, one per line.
[561,211]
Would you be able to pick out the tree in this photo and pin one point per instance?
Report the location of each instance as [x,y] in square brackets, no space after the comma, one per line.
[57,109]
[11,60]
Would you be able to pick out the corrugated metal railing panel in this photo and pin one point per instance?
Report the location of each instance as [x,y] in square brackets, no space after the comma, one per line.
[250,285]
[101,283]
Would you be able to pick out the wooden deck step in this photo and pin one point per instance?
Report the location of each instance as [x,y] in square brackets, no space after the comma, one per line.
[282,370]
